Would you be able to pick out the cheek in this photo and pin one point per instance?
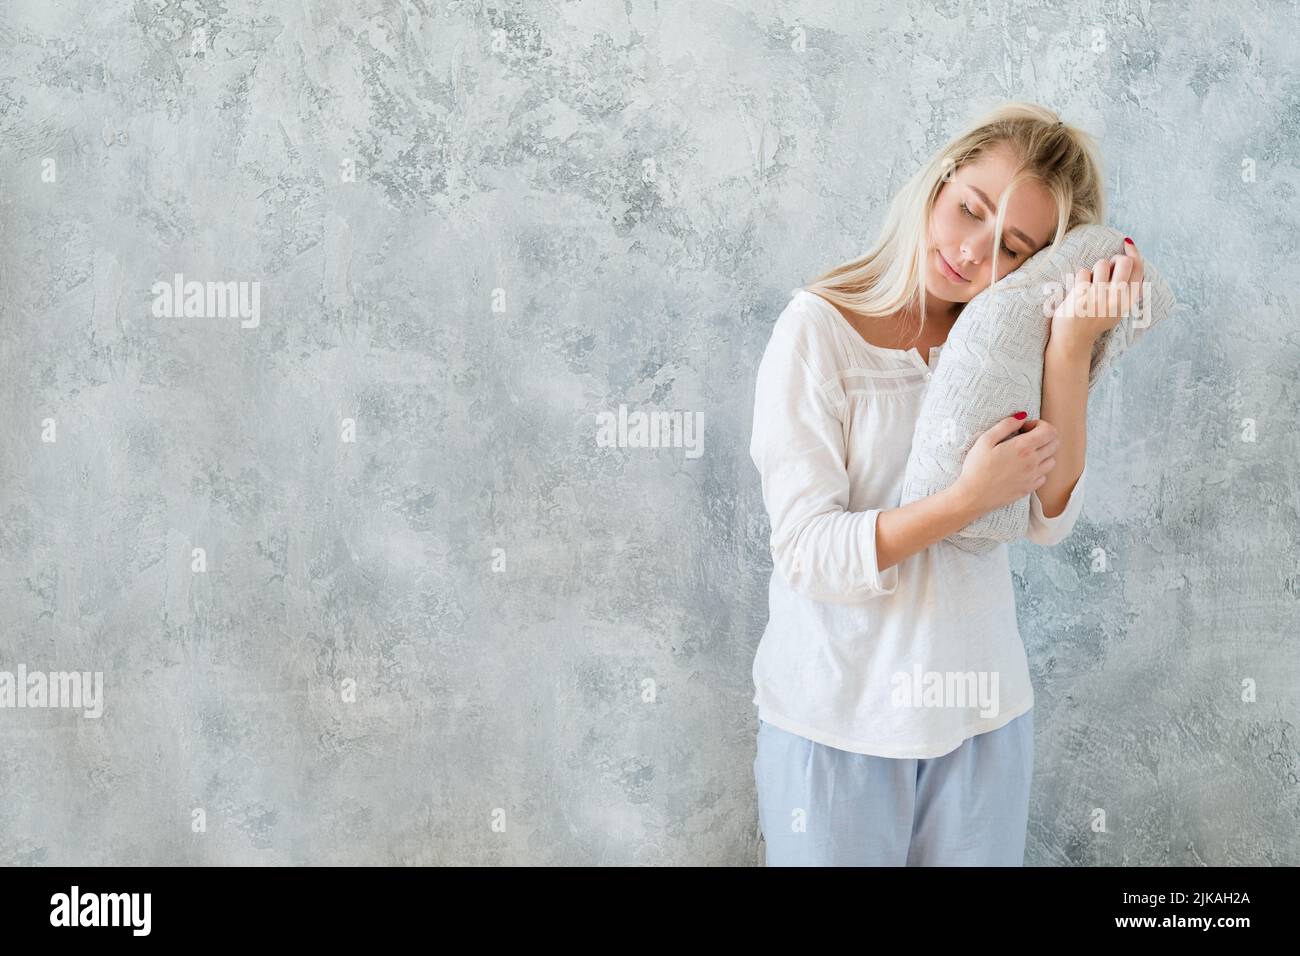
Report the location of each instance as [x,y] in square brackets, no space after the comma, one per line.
[945,224]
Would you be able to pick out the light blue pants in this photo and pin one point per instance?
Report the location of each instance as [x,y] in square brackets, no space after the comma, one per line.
[819,806]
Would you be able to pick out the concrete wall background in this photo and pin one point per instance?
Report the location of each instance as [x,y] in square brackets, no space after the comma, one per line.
[644,182]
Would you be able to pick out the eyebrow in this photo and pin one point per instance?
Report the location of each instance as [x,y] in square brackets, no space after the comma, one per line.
[993,211]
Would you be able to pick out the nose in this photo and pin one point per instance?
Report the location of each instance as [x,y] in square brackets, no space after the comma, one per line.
[977,245]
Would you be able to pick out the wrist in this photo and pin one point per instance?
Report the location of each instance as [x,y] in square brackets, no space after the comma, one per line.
[960,504]
[1070,332]
[1069,349]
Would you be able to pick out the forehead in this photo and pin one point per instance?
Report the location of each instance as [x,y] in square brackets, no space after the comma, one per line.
[1031,208]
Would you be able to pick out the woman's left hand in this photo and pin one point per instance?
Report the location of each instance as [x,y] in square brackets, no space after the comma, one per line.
[1099,298]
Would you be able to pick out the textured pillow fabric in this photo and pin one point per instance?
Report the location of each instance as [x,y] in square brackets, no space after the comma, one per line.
[992,365]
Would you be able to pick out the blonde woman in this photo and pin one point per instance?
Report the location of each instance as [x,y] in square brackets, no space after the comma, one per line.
[893,692]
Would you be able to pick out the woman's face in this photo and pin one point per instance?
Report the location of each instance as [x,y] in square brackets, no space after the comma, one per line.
[961,227]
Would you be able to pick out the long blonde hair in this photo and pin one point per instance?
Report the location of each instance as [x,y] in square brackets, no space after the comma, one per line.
[890,277]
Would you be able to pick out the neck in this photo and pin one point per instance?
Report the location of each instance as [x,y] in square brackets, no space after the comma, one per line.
[939,315]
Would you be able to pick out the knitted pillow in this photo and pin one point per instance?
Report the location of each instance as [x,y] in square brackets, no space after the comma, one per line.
[992,365]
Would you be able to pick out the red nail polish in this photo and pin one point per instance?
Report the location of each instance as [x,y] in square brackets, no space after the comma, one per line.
[1129,241]
[1020,415]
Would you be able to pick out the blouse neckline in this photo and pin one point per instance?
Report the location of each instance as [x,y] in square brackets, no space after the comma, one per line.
[912,355]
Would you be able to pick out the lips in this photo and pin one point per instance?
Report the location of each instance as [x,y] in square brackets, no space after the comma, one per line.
[949,270]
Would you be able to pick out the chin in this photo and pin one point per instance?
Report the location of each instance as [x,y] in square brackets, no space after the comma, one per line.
[938,287]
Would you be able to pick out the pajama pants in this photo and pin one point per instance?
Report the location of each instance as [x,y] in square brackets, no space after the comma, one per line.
[820,806]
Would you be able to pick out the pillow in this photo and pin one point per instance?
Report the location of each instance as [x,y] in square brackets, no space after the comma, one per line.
[992,365]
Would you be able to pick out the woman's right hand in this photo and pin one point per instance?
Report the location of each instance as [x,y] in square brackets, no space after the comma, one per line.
[997,472]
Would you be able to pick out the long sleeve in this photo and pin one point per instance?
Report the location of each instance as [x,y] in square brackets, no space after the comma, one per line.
[822,550]
[1049,531]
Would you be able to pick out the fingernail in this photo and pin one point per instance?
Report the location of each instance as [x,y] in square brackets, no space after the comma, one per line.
[1129,241]
[1020,415]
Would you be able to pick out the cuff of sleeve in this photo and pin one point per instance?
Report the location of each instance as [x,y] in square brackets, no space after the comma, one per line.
[881,582]
[1036,504]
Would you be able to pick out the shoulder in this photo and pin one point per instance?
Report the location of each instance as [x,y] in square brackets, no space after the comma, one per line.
[806,315]
[828,342]
[807,326]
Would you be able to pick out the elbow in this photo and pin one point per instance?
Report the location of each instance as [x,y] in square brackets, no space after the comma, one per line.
[1047,537]
[835,568]
[1049,531]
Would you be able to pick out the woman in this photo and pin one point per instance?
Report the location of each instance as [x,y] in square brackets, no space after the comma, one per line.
[895,721]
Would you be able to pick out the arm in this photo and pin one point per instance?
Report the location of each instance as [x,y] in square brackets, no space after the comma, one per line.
[1094,305]
[902,532]
[1054,507]
[822,550]
[1065,405]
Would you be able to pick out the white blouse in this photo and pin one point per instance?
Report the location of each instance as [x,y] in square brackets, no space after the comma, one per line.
[907,662]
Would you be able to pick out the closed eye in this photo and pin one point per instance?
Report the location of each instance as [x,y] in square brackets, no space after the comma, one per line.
[966,209]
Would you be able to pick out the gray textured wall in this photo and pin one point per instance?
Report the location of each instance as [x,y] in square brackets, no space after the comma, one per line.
[474,228]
